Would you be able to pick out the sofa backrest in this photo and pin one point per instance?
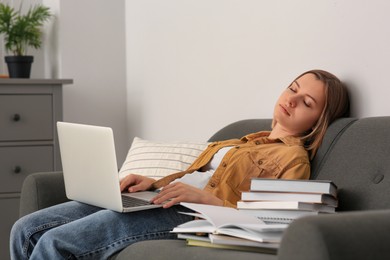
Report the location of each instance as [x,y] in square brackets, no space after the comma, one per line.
[243,127]
[333,133]
[358,162]
[355,155]
[240,128]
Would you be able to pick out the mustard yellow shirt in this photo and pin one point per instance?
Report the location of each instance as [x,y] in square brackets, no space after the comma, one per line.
[254,155]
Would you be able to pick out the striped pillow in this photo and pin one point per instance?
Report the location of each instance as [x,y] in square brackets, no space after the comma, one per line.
[158,159]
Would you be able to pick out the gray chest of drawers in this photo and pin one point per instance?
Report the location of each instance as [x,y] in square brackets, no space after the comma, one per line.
[29,109]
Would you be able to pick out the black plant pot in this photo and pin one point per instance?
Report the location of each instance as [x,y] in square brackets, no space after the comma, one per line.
[19,66]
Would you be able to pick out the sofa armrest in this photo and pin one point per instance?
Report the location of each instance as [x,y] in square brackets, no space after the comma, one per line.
[350,235]
[41,190]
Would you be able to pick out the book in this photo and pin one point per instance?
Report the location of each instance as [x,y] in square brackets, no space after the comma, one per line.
[301,186]
[225,240]
[291,205]
[289,196]
[279,216]
[258,249]
[198,237]
[231,222]
[235,241]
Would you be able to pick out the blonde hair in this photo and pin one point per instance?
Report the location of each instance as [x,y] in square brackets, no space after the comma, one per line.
[336,106]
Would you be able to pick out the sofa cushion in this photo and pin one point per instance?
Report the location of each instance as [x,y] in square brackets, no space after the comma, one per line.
[177,249]
[359,165]
[158,159]
[333,133]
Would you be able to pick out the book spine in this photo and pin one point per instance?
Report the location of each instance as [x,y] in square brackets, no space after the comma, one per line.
[299,186]
[285,205]
[279,214]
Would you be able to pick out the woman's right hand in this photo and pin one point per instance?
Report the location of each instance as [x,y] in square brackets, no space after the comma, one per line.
[135,182]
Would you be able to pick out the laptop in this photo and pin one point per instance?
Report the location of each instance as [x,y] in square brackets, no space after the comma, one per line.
[91,172]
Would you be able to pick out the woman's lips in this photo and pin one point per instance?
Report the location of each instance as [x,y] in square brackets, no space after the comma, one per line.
[284,110]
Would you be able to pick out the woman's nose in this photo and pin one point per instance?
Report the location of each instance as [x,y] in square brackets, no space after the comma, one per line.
[291,102]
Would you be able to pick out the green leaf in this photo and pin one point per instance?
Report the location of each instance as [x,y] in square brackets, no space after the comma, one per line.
[22,31]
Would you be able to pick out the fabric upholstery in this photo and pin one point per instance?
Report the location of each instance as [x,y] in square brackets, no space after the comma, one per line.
[41,190]
[355,155]
[359,165]
[333,133]
[164,248]
[240,128]
[344,236]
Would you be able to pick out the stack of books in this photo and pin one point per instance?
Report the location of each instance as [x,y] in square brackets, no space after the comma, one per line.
[282,201]
[261,216]
[228,228]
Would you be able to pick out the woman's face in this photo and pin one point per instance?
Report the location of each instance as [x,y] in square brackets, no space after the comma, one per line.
[300,105]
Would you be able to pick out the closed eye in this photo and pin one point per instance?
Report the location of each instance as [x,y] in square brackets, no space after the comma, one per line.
[308,100]
[292,89]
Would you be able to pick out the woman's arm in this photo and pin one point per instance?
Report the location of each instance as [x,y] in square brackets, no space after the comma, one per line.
[297,171]
[180,192]
[175,192]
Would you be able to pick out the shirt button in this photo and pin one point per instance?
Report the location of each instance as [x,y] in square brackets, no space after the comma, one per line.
[260,162]
[257,143]
[224,164]
[212,185]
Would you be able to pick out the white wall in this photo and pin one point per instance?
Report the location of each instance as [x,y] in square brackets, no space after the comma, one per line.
[197,65]
[182,69]
[52,54]
[92,48]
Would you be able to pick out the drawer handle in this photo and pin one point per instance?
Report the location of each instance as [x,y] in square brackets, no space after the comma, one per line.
[17,169]
[16,118]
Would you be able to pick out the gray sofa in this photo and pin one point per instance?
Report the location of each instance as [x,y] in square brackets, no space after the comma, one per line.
[355,155]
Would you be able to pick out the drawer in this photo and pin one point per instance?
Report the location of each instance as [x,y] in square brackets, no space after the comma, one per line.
[9,214]
[18,161]
[26,117]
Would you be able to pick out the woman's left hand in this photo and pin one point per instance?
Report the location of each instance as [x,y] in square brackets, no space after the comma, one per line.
[180,192]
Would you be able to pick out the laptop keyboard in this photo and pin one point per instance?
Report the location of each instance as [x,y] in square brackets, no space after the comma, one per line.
[129,202]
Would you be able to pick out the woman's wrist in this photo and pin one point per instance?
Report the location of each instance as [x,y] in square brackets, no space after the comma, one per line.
[212,200]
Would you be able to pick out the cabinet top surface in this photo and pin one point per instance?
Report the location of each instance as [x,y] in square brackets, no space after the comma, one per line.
[14,81]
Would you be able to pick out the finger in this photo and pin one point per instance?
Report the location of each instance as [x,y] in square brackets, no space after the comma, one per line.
[170,203]
[135,188]
[163,196]
[160,199]
[127,182]
[174,196]
[163,192]
[122,185]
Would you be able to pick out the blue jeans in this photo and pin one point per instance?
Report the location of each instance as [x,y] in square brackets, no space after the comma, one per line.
[75,230]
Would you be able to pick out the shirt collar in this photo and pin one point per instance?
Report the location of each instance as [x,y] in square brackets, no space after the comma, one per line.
[288,140]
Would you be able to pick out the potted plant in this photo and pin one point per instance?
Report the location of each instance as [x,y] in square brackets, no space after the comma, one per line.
[20,32]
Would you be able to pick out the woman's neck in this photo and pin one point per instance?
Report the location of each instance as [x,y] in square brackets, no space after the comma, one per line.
[280,132]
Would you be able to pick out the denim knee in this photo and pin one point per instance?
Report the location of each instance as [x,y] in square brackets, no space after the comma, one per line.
[18,246]
[26,232]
